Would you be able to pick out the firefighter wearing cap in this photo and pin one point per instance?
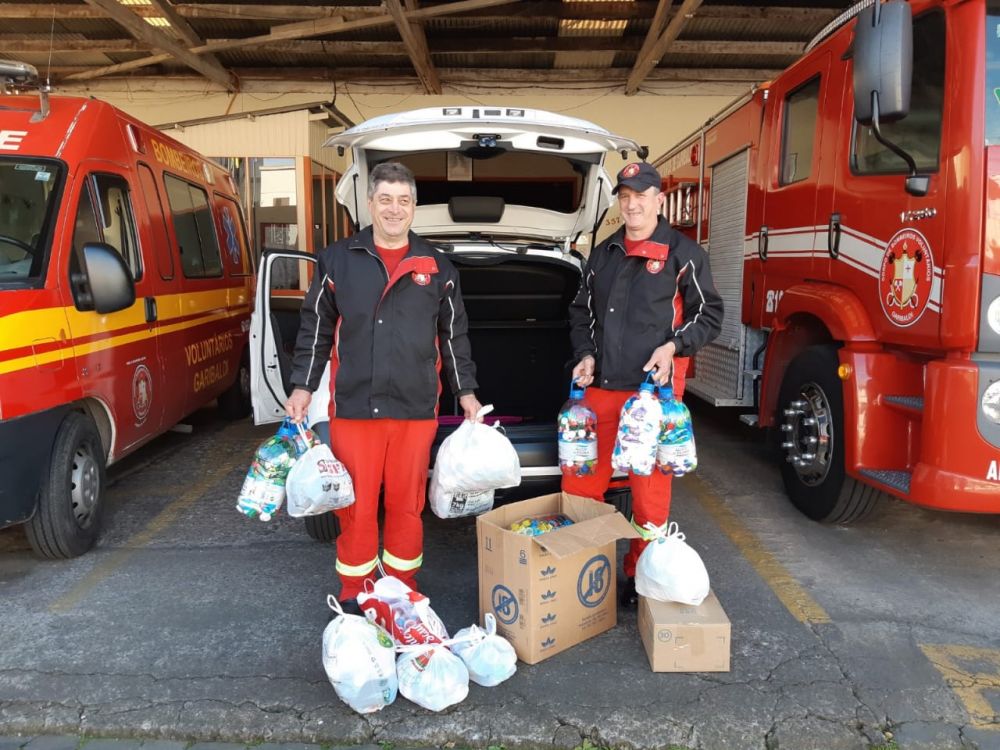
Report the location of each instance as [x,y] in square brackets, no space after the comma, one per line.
[385,310]
[646,302]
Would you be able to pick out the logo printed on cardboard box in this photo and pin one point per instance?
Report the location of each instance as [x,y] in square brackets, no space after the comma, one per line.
[594,582]
[505,605]
[548,642]
[663,635]
[550,594]
[549,618]
[549,571]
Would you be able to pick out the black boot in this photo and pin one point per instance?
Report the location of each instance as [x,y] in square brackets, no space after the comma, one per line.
[627,596]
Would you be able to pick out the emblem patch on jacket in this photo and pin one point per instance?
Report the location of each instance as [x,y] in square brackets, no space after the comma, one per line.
[654,266]
[421,278]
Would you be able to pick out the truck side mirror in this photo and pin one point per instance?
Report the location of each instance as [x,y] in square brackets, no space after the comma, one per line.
[108,279]
[883,62]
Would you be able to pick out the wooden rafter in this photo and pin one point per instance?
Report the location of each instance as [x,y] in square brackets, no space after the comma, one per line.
[646,62]
[656,26]
[488,46]
[301,30]
[547,9]
[142,31]
[182,27]
[412,34]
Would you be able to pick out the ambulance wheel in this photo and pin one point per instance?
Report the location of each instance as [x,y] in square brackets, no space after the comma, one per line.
[234,402]
[811,415]
[323,528]
[70,503]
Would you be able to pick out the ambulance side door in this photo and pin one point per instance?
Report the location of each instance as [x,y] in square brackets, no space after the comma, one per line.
[117,354]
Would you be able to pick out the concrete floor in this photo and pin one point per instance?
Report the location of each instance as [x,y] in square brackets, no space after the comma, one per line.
[190,622]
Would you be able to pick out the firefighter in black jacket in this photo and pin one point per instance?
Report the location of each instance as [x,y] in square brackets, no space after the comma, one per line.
[385,310]
[646,302]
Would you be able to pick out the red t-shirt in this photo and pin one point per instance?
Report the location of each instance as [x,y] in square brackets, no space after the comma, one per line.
[392,257]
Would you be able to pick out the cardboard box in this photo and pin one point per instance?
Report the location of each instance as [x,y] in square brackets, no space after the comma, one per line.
[682,638]
[552,591]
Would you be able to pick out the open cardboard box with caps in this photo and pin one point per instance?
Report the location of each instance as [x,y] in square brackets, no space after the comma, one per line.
[555,590]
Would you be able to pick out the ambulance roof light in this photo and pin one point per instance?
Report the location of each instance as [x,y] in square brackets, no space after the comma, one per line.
[15,75]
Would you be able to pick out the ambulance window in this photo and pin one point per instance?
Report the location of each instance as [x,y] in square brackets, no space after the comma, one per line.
[234,236]
[919,133]
[158,222]
[801,107]
[118,220]
[85,229]
[194,228]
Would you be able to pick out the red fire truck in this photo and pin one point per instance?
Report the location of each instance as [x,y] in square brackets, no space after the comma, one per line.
[851,210]
[125,289]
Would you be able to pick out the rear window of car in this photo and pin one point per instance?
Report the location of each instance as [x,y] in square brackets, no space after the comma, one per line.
[536,180]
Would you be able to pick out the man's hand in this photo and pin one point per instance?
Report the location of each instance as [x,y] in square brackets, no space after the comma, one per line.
[662,362]
[471,406]
[583,373]
[297,405]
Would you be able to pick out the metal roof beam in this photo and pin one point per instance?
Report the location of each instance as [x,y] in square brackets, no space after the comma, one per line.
[412,34]
[646,62]
[142,31]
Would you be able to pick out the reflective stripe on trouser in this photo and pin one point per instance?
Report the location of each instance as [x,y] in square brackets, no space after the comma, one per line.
[396,453]
[650,495]
[403,569]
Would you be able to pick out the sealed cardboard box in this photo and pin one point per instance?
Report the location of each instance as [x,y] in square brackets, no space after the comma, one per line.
[682,638]
[552,591]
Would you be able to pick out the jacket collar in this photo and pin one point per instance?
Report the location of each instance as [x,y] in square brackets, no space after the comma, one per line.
[663,234]
[365,240]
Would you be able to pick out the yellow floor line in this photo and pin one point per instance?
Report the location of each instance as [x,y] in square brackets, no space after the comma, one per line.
[161,521]
[973,674]
[795,598]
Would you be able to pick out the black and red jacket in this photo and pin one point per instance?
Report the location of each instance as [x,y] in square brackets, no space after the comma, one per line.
[629,303]
[389,336]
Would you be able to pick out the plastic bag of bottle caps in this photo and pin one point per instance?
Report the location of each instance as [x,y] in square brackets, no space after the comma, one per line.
[263,490]
[638,431]
[577,435]
[675,453]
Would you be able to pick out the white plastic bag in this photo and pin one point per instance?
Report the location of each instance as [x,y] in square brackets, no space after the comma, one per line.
[455,504]
[406,614]
[318,482]
[669,570]
[360,660]
[432,677]
[489,657]
[477,457]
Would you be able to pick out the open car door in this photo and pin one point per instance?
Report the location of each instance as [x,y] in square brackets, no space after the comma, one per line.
[281,283]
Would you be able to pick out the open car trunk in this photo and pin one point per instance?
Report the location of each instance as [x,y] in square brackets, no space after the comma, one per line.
[519,331]
[517,305]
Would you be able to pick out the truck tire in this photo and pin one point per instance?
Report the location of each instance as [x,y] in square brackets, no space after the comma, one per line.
[811,416]
[71,499]
[323,528]
[234,402]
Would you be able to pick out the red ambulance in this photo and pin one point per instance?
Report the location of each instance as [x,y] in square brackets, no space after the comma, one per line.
[851,209]
[125,292]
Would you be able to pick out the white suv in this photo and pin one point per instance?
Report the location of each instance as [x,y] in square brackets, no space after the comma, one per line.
[509,194]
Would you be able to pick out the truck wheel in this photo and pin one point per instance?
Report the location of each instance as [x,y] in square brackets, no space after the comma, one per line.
[323,528]
[70,502]
[812,428]
[234,402]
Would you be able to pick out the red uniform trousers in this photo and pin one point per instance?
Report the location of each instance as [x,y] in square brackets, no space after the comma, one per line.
[650,495]
[396,453]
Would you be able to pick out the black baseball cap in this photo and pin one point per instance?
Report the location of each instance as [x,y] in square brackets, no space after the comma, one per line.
[639,175]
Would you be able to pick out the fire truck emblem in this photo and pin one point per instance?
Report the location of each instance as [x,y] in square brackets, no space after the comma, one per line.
[630,170]
[654,266]
[422,278]
[142,392]
[905,277]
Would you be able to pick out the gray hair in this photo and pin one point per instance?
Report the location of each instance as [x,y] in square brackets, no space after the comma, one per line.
[391,171]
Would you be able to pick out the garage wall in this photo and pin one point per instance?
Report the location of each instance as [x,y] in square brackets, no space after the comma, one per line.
[656,120]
